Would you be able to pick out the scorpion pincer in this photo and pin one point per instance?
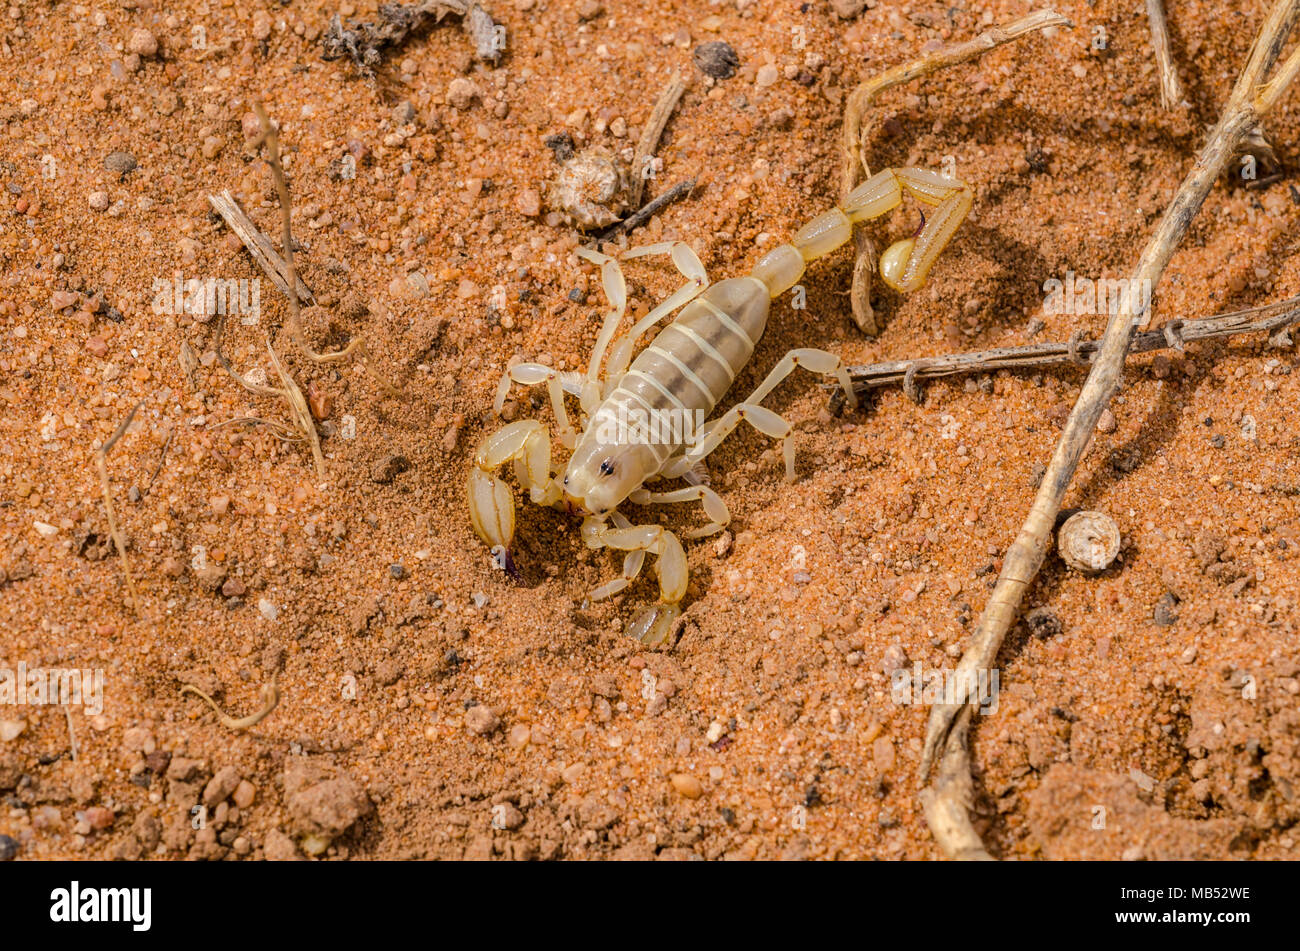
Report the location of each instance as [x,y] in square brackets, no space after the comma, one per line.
[680,376]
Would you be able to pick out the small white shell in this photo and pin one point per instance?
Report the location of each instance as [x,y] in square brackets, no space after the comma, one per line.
[589,189]
[1088,541]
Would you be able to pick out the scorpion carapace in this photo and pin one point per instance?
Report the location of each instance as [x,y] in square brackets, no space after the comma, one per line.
[641,418]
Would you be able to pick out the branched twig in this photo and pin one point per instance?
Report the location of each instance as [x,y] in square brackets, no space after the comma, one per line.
[364,43]
[1251,98]
[101,461]
[270,698]
[854,169]
[1265,319]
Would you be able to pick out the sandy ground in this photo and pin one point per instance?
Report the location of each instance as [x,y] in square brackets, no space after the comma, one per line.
[429,707]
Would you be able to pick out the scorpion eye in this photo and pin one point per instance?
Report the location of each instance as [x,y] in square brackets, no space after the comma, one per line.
[607,468]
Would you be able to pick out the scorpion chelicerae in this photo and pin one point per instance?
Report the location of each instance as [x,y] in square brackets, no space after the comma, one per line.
[679,377]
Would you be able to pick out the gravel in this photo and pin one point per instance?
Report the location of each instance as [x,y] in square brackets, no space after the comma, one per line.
[716,59]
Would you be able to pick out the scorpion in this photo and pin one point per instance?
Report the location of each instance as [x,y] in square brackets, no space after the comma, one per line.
[684,372]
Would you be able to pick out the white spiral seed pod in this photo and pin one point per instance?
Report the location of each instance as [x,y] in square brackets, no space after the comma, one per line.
[589,189]
[1088,541]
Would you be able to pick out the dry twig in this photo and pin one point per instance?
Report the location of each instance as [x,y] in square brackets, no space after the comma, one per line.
[101,461]
[648,144]
[1266,319]
[854,169]
[271,138]
[1171,88]
[945,741]
[648,210]
[260,247]
[270,699]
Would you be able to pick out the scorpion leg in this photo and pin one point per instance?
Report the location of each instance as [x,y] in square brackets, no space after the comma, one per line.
[615,286]
[653,622]
[491,506]
[714,507]
[689,264]
[557,381]
[632,562]
[762,419]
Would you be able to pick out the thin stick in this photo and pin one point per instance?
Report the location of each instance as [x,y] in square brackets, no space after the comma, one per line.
[1171,87]
[301,412]
[72,732]
[101,461]
[945,733]
[649,210]
[162,458]
[1074,351]
[648,144]
[853,169]
[270,699]
[225,364]
[271,138]
[260,247]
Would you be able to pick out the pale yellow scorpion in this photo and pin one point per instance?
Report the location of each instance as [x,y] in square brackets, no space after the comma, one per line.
[682,375]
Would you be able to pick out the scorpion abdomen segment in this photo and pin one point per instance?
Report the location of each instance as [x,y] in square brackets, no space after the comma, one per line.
[693,361]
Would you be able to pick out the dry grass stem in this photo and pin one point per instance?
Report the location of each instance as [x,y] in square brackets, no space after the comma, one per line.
[271,139]
[648,144]
[1171,87]
[299,410]
[101,462]
[270,699]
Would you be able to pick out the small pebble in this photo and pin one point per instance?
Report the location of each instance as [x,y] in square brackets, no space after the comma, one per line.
[462,94]
[98,201]
[397,571]
[480,720]
[119,163]
[8,848]
[687,785]
[767,76]
[716,59]
[142,43]
[99,818]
